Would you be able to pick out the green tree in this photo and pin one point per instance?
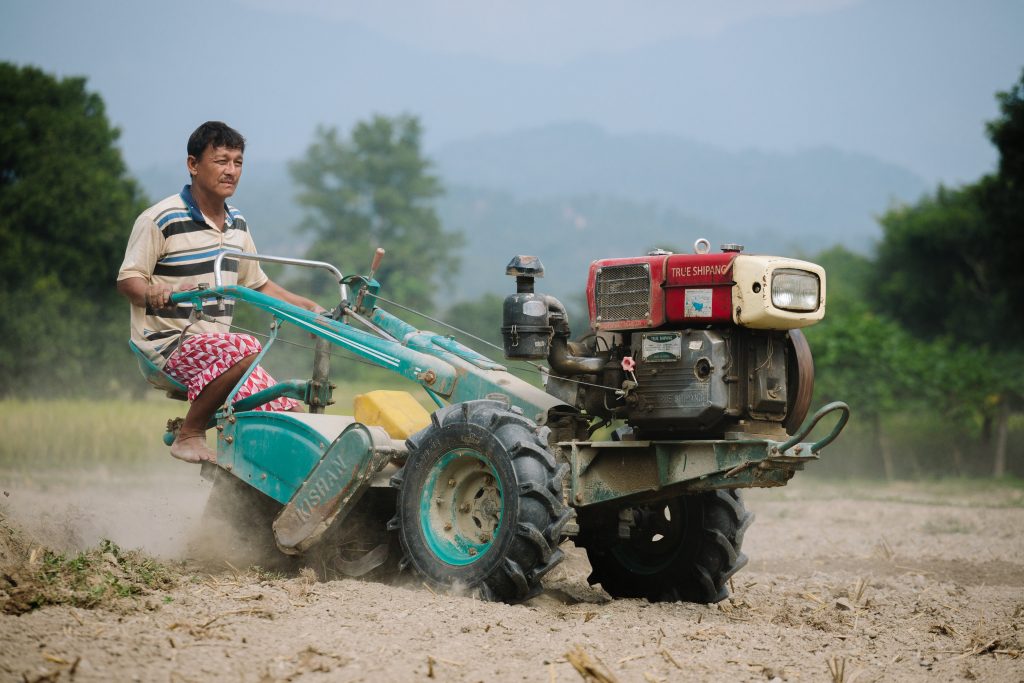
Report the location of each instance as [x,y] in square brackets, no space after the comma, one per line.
[949,269]
[376,189]
[1001,195]
[870,360]
[862,358]
[481,318]
[66,207]
[938,271]
[1007,133]
[950,264]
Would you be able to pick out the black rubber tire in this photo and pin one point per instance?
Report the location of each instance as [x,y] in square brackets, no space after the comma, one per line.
[697,552]
[531,514]
[236,527]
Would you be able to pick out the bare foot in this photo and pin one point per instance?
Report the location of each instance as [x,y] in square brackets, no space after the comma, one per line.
[192,448]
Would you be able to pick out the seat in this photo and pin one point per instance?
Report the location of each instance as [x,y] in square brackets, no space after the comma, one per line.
[157,377]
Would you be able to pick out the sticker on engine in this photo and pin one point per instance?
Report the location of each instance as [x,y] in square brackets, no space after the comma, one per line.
[697,303]
[662,347]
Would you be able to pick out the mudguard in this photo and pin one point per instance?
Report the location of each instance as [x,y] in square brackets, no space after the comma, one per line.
[334,486]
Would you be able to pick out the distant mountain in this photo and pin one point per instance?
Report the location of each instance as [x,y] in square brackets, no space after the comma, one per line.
[911,82]
[572,193]
[809,199]
[566,232]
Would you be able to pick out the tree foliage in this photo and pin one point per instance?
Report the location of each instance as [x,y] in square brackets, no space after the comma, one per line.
[376,189]
[481,318]
[66,207]
[1002,195]
[928,328]
[938,270]
[951,264]
[1007,134]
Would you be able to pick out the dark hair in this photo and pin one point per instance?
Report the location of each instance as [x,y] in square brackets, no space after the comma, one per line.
[216,133]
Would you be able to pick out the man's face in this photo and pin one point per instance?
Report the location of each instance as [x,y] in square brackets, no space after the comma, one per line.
[217,171]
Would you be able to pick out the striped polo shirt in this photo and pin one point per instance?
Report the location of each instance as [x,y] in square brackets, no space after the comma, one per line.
[173,243]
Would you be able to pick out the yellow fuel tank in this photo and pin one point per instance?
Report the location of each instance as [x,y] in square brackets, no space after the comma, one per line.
[396,411]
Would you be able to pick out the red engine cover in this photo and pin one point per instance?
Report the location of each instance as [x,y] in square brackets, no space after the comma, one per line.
[698,288]
[654,291]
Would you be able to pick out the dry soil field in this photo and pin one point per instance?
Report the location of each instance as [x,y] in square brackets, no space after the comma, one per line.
[845,583]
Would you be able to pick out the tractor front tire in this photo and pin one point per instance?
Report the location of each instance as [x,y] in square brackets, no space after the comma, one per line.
[684,549]
[480,502]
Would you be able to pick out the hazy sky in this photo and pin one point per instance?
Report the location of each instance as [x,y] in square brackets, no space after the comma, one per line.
[544,32]
[908,81]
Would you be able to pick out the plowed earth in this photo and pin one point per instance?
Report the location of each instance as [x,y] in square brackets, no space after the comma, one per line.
[844,583]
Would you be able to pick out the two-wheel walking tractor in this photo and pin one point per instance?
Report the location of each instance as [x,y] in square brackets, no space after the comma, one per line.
[693,382]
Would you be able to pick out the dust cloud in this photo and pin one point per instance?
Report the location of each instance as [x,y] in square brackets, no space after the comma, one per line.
[154,508]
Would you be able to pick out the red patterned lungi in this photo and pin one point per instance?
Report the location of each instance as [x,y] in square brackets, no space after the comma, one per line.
[202,358]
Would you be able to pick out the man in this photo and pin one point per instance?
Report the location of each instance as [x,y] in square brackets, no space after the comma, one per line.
[172,248]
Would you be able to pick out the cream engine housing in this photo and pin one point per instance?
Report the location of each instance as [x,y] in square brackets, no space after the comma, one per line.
[752,293]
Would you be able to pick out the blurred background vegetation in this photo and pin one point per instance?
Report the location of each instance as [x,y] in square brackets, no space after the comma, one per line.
[923,336]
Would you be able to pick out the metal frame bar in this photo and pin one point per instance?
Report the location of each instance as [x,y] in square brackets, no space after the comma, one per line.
[410,363]
[448,370]
[305,263]
[228,407]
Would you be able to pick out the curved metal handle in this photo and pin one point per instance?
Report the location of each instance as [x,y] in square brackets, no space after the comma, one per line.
[802,433]
[240,255]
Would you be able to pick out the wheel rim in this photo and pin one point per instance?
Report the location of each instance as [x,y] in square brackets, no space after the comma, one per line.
[656,540]
[461,507]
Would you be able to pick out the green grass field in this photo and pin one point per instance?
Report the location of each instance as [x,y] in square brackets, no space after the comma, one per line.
[73,436]
[80,433]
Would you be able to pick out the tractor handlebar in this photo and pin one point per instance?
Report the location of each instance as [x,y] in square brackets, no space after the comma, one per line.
[242,255]
[181,297]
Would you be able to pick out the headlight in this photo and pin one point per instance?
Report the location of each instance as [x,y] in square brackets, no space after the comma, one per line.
[795,290]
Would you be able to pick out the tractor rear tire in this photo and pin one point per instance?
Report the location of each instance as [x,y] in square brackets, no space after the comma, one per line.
[480,502]
[684,549]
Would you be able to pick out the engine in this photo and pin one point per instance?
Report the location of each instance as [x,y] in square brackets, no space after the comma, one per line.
[680,346]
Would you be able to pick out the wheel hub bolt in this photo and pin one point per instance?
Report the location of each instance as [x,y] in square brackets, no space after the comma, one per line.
[447,526]
[464,507]
[439,500]
[485,538]
[451,483]
[472,551]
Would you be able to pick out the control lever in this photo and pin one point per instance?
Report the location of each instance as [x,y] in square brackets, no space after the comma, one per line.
[378,256]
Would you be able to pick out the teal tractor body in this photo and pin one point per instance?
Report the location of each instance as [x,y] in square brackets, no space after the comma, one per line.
[635,448]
